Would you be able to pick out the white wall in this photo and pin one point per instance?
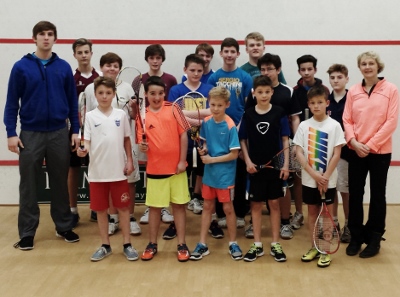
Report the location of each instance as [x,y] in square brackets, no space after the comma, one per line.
[188,21]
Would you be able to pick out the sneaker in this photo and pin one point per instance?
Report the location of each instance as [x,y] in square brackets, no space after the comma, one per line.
[183,252]
[277,253]
[200,251]
[75,220]
[93,216]
[345,235]
[112,226]
[286,232]
[198,206]
[310,255]
[248,232]
[215,230]
[240,223]
[170,233]
[69,236]
[130,253]
[297,220]
[100,254]
[253,253]
[235,251]
[149,252]
[191,204]
[324,260]
[145,217]
[166,216]
[222,223]
[25,243]
[134,227]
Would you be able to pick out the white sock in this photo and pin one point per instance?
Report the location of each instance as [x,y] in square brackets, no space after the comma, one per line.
[232,242]
[214,217]
[258,244]
[74,210]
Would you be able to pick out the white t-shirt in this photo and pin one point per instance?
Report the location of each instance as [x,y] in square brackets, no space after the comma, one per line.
[318,140]
[107,153]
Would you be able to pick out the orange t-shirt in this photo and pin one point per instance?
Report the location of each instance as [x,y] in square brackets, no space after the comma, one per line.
[163,138]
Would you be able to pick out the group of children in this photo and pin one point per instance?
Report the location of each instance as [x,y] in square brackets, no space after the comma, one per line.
[250,115]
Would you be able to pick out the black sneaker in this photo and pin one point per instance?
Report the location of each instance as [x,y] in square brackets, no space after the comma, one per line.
[25,244]
[69,236]
[93,216]
[170,233]
[215,230]
[277,253]
[253,253]
[75,220]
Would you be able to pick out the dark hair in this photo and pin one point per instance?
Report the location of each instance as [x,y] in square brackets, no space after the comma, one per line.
[193,58]
[104,81]
[153,50]
[269,59]
[338,68]
[317,90]
[110,58]
[261,80]
[81,42]
[307,59]
[205,47]
[228,42]
[153,81]
[44,26]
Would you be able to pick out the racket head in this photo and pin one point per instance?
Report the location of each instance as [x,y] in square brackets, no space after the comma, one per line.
[127,74]
[278,161]
[186,110]
[82,116]
[325,234]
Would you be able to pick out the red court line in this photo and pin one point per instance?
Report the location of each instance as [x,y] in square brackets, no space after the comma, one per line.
[213,42]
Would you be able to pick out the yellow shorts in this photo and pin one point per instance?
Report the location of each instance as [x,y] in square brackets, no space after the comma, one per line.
[161,192]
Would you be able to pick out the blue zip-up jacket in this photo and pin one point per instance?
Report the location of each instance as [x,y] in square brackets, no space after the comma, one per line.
[44,96]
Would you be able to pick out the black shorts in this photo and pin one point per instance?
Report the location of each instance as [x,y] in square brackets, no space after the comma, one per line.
[265,185]
[312,195]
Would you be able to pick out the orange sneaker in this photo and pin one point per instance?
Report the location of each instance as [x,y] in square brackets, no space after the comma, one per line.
[149,252]
[183,253]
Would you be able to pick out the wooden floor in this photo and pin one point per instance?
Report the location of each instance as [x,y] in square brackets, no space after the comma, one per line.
[57,268]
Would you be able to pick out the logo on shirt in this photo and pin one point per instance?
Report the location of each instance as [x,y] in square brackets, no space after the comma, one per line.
[151,126]
[118,123]
[96,125]
[262,127]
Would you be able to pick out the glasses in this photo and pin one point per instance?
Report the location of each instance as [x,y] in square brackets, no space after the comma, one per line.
[269,69]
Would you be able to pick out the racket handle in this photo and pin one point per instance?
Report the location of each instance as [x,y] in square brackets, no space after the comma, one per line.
[83,159]
[194,153]
[306,113]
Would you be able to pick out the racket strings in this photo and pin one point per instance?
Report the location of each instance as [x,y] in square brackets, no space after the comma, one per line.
[326,235]
[293,164]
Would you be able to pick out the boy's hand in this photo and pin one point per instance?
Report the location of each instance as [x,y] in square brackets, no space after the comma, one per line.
[202,151]
[143,147]
[251,167]
[14,143]
[81,152]
[75,142]
[181,167]
[128,168]
[284,174]
[132,104]
[207,159]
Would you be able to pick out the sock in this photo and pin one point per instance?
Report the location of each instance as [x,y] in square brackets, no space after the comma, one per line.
[115,217]
[127,245]
[202,243]
[285,221]
[106,246]
[232,242]
[74,210]
[258,244]
[335,219]
[214,217]
[273,243]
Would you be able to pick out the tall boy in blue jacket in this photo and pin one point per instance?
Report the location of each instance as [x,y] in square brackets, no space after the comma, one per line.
[41,90]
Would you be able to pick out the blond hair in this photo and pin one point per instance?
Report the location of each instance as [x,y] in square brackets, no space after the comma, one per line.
[254,35]
[220,93]
[373,55]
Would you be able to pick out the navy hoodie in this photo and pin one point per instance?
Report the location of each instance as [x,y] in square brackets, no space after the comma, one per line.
[44,96]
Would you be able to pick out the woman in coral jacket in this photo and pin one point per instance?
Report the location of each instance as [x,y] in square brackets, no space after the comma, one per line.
[370,119]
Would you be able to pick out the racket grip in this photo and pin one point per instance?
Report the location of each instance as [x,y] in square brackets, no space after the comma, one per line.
[83,159]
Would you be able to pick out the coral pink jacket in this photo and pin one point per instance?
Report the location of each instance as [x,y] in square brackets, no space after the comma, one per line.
[372,118]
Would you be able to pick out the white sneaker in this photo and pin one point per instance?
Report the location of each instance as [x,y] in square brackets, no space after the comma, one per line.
[145,217]
[297,220]
[134,227]
[198,206]
[112,226]
[166,216]
[222,223]
[190,205]
[240,223]
[248,232]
